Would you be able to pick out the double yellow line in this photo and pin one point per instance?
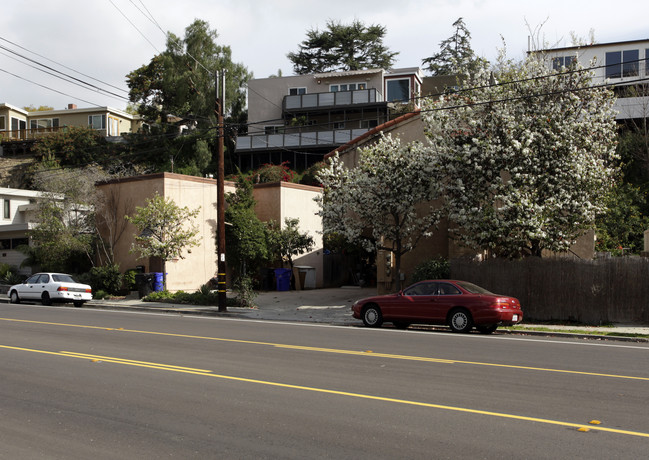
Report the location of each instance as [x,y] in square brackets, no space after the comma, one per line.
[208,373]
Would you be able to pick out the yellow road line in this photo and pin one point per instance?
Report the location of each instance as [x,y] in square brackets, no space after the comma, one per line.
[337,351]
[188,370]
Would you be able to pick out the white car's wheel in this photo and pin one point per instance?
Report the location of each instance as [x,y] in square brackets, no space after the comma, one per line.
[13,298]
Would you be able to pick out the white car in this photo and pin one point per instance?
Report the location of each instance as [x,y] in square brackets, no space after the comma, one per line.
[49,288]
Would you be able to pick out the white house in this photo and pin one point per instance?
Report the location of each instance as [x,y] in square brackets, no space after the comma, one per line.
[623,65]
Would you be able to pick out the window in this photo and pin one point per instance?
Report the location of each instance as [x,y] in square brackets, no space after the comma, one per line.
[398,90]
[622,63]
[272,129]
[563,61]
[347,87]
[447,289]
[369,124]
[631,63]
[6,212]
[97,121]
[296,91]
[3,124]
[339,125]
[113,126]
[44,123]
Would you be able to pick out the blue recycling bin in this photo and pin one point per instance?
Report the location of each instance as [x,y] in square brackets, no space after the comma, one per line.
[283,279]
[158,281]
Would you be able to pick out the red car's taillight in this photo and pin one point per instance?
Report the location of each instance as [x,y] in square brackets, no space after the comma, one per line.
[503,303]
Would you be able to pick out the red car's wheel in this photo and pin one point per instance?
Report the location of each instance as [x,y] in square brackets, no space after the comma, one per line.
[372,316]
[460,320]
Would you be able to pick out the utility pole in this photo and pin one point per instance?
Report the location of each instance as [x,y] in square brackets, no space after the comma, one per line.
[220,190]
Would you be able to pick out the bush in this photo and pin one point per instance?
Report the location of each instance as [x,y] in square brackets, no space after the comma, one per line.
[274,173]
[10,275]
[310,175]
[202,297]
[245,292]
[128,280]
[432,269]
[100,294]
[106,278]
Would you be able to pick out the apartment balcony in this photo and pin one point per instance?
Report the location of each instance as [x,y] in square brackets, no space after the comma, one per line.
[311,139]
[340,99]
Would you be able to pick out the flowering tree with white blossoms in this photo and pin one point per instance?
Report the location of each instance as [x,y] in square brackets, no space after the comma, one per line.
[385,202]
[527,161]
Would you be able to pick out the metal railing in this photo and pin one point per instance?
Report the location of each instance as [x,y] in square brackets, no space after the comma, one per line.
[298,139]
[331,99]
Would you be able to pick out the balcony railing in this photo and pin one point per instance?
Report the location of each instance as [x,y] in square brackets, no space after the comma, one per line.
[298,140]
[331,99]
[28,133]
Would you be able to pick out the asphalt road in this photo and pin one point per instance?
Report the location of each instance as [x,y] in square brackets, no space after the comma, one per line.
[79,384]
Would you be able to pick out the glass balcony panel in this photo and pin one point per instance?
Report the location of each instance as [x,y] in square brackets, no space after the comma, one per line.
[244,142]
[259,142]
[342,136]
[275,140]
[292,140]
[326,99]
[360,97]
[344,98]
[292,102]
[310,138]
[326,137]
[310,100]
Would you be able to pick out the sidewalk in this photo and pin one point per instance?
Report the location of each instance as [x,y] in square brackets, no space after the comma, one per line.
[333,306]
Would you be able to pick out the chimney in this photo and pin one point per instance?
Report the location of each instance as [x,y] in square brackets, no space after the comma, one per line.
[72,106]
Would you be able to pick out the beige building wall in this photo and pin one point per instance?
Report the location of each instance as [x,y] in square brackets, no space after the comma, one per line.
[281,200]
[117,122]
[198,266]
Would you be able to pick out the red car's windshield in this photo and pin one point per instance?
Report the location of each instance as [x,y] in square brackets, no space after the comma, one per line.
[472,288]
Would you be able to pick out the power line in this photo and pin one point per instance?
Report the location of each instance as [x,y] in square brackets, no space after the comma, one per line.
[63,65]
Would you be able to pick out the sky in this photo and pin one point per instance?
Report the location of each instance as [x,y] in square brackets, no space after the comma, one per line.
[101,41]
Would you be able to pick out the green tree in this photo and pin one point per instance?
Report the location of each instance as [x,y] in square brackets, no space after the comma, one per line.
[342,47]
[245,234]
[286,242]
[525,164]
[180,80]
[621,228]
[455,54]
[66,236]
[165,230]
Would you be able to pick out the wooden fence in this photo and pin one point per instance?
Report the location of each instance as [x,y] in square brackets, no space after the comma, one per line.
[614,290]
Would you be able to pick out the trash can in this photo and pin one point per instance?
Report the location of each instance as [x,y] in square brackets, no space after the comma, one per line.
[283,279]
[307,276]
[144,283]
[158,281]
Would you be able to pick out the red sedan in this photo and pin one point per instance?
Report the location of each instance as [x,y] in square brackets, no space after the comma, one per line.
[459,304]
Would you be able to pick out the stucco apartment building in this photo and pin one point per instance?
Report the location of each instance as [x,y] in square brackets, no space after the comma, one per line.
[300,118]
[275,201]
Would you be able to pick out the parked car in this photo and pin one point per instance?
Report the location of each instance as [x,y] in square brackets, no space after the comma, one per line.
[49,288]
[459,304]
